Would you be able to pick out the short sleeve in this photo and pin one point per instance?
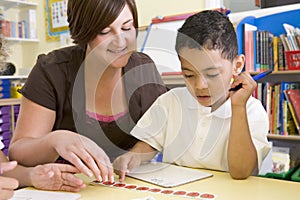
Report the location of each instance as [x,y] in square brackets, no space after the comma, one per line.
[38,86]
[152,125]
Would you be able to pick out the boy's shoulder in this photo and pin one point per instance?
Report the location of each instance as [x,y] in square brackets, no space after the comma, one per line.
[179,93]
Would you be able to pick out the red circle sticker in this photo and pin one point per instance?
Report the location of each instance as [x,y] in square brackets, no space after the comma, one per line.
[180,193]
[108,183]
[193,194]
[167,191]
[119,185]
[96,181]
[155,190]
[208,196]
[142,188]
[130,187]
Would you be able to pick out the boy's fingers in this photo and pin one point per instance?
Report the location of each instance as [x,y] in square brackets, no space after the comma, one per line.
[122,175]
[7,166]
[9,183]
[72,180]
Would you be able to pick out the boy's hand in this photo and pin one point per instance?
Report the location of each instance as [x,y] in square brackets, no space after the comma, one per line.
[125,163]
[56,177]
[241,96]
[7,185]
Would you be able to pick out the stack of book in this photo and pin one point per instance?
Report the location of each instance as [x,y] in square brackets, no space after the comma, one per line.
[264,50]
[282,103]
[24,28]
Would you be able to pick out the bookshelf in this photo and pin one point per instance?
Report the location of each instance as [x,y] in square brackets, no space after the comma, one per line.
[18,20]
[271,19]
[17,4]
[9,109]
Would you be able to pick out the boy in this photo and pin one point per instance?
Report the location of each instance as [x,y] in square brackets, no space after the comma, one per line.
[204,125]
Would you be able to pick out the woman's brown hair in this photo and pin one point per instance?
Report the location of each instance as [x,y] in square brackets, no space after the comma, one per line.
[87,18]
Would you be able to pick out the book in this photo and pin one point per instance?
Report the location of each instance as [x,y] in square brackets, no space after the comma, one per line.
[275,53]
[290,32]
[167,175]
[249,32]
[29,18]
[293,99]
[43,195]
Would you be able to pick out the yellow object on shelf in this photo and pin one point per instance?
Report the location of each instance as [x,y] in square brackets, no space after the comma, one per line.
[15,86]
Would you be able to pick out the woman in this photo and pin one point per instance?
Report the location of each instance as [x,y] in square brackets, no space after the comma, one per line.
[98,88]
[48,176]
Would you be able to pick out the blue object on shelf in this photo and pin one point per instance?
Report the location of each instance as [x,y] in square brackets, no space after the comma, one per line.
[272,23]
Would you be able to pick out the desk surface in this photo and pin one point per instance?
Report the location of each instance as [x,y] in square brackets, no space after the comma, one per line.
[221,185]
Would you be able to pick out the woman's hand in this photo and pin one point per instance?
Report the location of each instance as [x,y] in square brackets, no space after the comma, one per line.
[7,185]
[83,153]
[56,177]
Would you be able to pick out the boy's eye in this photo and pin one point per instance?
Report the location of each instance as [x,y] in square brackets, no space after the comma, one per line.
[211,75]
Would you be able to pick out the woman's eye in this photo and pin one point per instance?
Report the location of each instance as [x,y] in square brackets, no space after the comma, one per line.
[188,75]
[103,32]
[126,28]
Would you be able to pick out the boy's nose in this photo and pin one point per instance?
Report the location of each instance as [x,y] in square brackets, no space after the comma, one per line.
[201,83]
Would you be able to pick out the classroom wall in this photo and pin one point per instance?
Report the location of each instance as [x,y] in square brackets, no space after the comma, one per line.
[147,9]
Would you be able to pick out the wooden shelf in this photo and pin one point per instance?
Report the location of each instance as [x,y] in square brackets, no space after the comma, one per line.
[17,4]
[13,39]
[282,76]
[278,76]
[284,137]
[14,77]
[173,79]
[10,101]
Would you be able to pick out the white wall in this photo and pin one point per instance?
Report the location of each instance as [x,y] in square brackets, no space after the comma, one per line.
[147,9]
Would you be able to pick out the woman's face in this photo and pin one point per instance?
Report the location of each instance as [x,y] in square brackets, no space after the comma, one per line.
[115,44]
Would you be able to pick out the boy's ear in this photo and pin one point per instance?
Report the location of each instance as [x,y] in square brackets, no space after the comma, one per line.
[238,64]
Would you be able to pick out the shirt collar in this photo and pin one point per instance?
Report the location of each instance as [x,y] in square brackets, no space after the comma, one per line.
[224,111]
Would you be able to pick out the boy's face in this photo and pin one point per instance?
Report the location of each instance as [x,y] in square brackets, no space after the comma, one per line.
[207,75]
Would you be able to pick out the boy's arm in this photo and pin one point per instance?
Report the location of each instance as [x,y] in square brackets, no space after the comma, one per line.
[141,152]
[242,156]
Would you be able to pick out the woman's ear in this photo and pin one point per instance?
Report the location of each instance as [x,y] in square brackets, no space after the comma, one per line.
[238,64]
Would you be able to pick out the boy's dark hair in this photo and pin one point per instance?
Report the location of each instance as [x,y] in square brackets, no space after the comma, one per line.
[87,18]
[210,30]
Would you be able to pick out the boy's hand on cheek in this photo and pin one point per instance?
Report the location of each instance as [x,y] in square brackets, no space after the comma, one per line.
[241,96]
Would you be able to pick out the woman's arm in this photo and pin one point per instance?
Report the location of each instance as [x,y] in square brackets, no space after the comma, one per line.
[31,141]
[35,143]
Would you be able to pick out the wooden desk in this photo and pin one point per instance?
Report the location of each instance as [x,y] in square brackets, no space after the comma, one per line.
[221,184]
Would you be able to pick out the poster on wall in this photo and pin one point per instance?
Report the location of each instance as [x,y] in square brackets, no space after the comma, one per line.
[56,19]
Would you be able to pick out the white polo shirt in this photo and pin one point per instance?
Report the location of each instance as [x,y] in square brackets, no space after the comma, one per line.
[189,134]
